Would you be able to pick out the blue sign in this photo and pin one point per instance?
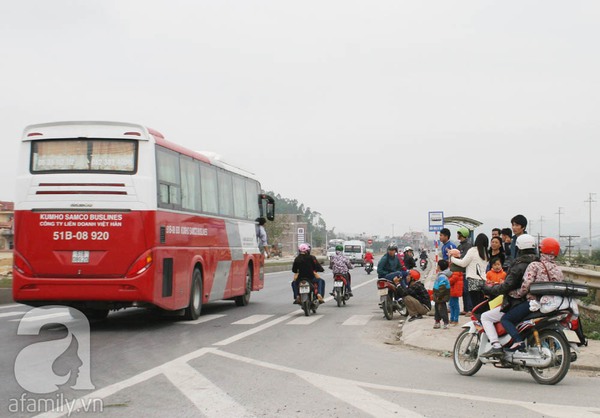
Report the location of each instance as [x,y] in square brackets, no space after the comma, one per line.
[436,221]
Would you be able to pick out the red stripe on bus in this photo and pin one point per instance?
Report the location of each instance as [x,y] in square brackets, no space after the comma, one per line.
[78,192]
[84,184]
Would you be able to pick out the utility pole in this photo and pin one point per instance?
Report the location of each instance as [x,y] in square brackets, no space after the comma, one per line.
[559,213]
[590,201]
[541,233]
[569,238]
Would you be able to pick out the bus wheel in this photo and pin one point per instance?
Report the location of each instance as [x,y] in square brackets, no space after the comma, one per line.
[193,310]
[245,298]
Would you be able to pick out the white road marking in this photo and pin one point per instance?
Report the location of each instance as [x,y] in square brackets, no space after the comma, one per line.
[5,314]
[358,320]
[305,320]
[41,317]
[12,305]
[257,329]
[201,320]
[251,320]
[210,400]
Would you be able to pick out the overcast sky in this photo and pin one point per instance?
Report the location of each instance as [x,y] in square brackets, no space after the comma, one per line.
[372,113]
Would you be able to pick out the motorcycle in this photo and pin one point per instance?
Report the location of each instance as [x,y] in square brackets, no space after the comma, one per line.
[547,354]
[387,300]
[368,267]
[308,296]
[423,264]
[340,287]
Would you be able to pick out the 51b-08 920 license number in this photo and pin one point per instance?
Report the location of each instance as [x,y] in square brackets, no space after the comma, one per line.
[80,235]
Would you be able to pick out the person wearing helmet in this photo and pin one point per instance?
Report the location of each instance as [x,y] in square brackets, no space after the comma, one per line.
[409,258]
[340,264]
[512,283]
[463,246]
[304,266]
[544,270]
[416,297]
[390,267]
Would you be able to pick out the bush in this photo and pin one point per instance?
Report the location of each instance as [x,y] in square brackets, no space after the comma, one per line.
[591,326]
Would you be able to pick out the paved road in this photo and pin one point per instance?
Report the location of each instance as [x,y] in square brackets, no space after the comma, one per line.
[268,359]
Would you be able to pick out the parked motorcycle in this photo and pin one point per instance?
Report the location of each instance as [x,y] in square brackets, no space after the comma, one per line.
[308,296]
[423,264]
[340,289]
[368,267]
[387,300]
[547,354]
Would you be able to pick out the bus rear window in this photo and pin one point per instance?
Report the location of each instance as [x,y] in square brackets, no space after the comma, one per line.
[84,155]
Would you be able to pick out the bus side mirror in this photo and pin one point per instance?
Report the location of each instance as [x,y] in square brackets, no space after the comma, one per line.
[270,206]
[271,211]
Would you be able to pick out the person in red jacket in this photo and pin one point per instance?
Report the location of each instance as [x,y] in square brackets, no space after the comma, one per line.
[456,291]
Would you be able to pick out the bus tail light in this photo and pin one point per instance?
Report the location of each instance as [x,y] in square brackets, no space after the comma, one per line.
[142,264]
[22,266]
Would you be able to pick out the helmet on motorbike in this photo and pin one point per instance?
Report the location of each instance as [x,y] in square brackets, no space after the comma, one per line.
[550,246]
[392,247]
[339,248]
[525,242]
[407,249]
[414,274]
[303,248]
[463,231]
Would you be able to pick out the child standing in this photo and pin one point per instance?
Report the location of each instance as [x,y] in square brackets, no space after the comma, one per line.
[441,294]
[496,275]
[456,291]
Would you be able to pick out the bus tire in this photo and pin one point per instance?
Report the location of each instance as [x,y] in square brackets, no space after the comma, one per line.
[245,298]
[195,306]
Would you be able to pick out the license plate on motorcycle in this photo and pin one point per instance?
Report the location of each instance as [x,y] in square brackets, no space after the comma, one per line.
[80,257]
[383,292]
[304,289]
[338,283]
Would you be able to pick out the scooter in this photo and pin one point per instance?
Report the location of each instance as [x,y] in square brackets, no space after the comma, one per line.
[368,267]
[423,264]
[340,289]
[547,354]
[387,300]
[308,296]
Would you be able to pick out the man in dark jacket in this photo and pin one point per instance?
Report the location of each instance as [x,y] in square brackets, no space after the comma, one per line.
[417,299]
[514,278]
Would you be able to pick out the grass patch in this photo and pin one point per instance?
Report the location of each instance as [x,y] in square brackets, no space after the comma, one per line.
[5,283]
[591,326]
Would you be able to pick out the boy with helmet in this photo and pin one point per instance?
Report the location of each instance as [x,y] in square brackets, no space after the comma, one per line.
[340,264]
[464,245]
[409,258]
[512,283]
[304,266]
[544,270]
[416,299]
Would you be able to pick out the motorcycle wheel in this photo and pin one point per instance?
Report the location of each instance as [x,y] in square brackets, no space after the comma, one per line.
[306,307]
[561,358]
[465,353]
[338,296]
[388,307]
[403,309]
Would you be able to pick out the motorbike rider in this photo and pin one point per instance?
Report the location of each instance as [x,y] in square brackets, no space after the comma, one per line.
[409,258]
[369,259]
[304,267]
[512,283]
[416,299]
[544,270]
[390,268]
[340,264]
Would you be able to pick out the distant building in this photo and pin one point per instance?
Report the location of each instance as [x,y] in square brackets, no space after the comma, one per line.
[7,215]
[295,232]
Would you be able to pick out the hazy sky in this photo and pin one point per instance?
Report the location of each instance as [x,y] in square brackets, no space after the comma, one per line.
[372,113]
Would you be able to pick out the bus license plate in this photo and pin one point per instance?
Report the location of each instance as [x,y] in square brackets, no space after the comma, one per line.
[383,292]
[304,289]
[80,257]
[338,283]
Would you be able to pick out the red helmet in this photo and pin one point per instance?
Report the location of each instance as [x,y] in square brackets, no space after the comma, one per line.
[550,246]
[414,274]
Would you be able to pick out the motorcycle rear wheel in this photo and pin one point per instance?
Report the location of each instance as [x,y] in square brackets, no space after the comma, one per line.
[561,358]
[466,353]
[338,296]
[306,307]
[388,307]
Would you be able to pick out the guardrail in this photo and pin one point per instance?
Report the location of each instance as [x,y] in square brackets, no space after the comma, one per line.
[585,276]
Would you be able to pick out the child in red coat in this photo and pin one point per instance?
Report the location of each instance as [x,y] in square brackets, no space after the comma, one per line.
[456,291]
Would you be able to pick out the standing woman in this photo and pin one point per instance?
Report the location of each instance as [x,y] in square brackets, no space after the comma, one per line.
[475,262]
[496,250]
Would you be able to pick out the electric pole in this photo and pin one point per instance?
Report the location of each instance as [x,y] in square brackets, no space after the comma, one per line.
[560,212]
[569,238]
[590,201]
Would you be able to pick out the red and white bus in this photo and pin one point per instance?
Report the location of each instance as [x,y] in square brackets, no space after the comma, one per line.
[111,215]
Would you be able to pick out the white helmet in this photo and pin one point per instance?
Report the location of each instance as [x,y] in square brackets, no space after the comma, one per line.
[525,242]
[407,249]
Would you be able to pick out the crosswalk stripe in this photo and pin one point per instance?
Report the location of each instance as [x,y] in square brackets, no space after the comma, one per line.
[251,320]
[12,305]
[358,320]
[5,314]
[202,319]
[305,320]
[42,317]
